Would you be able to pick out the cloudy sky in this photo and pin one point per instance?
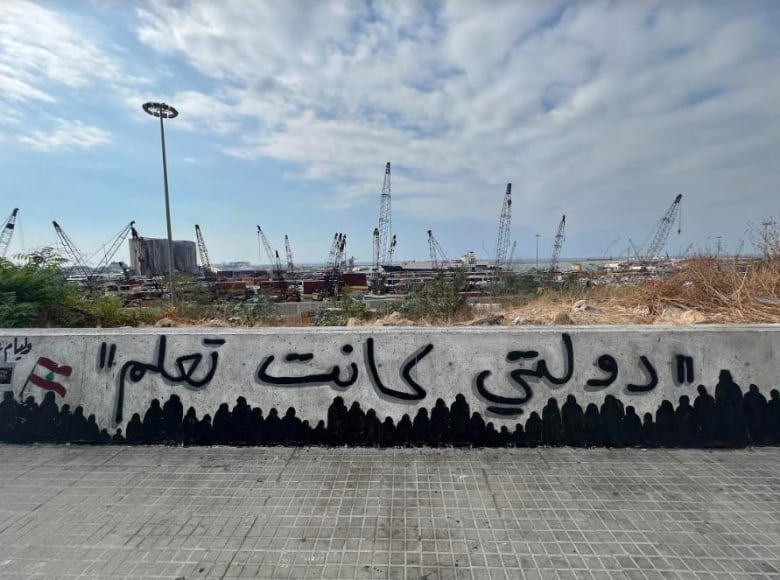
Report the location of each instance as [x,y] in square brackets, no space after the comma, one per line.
[289,111]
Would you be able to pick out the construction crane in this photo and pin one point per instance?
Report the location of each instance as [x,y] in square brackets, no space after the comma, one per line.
[205,263]
[73,253]
[504,224]
[559,239]
[391,252]
[439,259]
[273,255]
[662,232]
[375,277]
[8,232]
[634,249]
[385,218]
[126,272]
[91,275]
[334,264]
[288,251]
[511,258]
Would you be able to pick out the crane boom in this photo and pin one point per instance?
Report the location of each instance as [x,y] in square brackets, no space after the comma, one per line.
[205,263]
[391,252]
[288,251]
[273,255]
[662,232]
[558,245]
[439,259]
[333,265]
[74,254]
[636,251]
[375,262]
[113,248]
[504,224]
[8,232]
[385,218]
[511,258]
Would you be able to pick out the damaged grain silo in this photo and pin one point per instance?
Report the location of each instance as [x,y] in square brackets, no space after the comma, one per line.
[149,256]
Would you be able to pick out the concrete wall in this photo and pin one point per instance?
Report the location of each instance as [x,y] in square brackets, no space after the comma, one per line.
[115,373]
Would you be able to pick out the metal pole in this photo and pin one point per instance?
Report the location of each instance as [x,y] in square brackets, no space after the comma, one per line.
[168,214]
[537,251]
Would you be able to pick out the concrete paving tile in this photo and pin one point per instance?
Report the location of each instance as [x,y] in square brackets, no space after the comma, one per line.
[158,512]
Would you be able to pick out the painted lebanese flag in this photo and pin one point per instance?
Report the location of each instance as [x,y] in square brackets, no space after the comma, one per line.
[46,371]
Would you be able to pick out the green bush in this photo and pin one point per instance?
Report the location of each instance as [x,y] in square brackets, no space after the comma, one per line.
[346,308]
[35,293]
[439,298]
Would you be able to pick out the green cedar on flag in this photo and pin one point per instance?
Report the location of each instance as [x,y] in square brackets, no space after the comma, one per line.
[45,374]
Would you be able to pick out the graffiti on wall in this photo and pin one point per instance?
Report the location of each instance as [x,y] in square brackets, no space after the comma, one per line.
[13,350]
[504,389]
[196,370]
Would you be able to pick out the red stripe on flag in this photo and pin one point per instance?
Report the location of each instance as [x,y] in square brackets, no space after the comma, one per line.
[48,385]
[64,370]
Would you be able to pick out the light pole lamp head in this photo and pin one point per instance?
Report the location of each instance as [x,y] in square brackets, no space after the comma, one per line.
[163,110]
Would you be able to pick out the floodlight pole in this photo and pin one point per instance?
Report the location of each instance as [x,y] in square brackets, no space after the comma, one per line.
[165,111]
[537,251]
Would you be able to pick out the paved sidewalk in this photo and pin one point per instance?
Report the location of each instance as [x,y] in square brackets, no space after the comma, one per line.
[156,512]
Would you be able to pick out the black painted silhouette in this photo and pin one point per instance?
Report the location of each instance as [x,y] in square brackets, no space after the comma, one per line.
[632,428]
[222,424]
[773,416]
[728,419]
[533,430]
[593,435]
[728,399]
[706,416]
[440,421]
[573,421]
[755,415]
[611,414]
[685,423]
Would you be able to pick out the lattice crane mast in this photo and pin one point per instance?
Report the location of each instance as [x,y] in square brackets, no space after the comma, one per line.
[341,257]
[334,246]
[663,230]
[439,259]
[333,265]
[113,247]
[288,251]
[504,224]
[8,232]
[634,249]
[558,245]
[74,254]
[375,277]
[511,258]
[205,263]
[385,218]
[391,252]
[92,274]
[273,255]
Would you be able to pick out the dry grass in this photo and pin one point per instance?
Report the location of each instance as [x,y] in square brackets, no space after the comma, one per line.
[724,291]
[704,291]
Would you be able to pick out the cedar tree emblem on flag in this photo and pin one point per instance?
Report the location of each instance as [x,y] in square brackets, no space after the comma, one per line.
[45,374]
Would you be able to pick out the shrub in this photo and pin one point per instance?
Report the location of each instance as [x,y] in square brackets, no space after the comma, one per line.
[439,298]
[35,294]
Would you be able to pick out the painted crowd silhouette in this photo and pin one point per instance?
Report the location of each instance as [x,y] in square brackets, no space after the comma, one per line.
[727,419]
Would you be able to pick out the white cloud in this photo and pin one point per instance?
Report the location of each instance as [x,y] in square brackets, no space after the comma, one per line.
[585,106]
[47,57]
[68,135]
[39,46]
[601,110]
